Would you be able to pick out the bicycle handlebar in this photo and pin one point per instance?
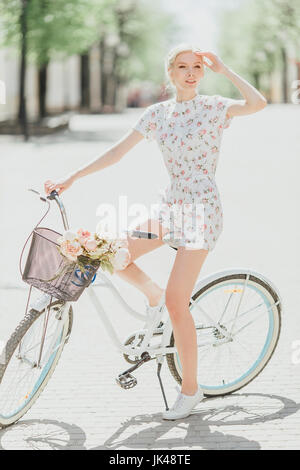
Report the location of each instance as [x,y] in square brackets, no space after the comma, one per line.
[54,196]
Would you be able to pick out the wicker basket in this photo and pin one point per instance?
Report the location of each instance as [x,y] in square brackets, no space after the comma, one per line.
[45,262]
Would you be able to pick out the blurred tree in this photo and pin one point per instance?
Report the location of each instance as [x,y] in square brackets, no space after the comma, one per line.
[254,39]
[61,28]
[131,48]
[14,20]
[131,35]
[47,29]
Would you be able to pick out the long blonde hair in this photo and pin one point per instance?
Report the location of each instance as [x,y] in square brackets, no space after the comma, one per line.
[171,56]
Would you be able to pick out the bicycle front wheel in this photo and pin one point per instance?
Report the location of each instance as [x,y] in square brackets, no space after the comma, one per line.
[238,322]
[29,359]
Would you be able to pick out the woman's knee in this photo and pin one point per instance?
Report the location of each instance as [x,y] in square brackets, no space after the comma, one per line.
[176,304]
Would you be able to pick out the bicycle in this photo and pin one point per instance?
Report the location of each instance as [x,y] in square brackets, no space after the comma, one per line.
[237,315]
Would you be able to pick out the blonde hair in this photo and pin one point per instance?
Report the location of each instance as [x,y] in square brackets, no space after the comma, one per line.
[171,56]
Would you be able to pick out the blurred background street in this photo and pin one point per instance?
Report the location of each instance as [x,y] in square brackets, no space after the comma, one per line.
[83,90]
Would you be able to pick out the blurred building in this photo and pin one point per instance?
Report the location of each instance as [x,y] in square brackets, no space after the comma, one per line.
[64,86]
[63,90]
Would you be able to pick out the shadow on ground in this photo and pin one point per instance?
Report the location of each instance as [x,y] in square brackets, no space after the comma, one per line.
[149,431]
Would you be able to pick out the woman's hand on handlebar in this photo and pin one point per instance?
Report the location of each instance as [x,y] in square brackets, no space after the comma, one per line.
[59,186]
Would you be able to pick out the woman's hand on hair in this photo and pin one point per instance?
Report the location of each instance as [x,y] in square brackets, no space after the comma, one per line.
[216,63]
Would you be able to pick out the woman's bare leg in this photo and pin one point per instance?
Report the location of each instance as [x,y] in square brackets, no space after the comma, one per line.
[138,247]
[184,274]
[181,282]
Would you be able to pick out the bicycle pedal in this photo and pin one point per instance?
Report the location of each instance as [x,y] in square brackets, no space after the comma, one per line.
[126,381]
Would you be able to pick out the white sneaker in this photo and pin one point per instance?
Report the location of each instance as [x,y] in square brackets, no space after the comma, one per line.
[183,405]
[153,311]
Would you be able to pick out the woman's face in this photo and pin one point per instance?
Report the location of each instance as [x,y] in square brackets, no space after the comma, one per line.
[187,70]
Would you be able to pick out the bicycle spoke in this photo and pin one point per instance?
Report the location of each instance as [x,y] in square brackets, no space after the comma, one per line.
[20,378]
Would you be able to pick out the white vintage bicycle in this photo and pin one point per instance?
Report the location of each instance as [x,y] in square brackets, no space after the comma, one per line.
[237,314]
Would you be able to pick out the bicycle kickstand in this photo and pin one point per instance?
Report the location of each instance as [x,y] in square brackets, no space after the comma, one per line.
[159,365]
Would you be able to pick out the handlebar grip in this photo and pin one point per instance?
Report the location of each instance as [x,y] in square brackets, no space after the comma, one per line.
[53,194]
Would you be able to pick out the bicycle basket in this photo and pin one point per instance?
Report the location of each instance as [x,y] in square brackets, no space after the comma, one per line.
[44,262]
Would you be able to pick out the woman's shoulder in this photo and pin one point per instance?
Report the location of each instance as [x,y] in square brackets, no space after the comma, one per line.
[158,109]
[161,104]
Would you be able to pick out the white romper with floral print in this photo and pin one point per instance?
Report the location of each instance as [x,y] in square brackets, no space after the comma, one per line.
[189,135]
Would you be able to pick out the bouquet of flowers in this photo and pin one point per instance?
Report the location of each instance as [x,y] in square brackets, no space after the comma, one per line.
[84,248]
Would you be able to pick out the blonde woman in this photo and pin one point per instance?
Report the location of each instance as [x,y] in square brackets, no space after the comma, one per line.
[188,129]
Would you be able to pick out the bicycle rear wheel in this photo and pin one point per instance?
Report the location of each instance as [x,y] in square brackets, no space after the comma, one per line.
[29,359]
[250,313]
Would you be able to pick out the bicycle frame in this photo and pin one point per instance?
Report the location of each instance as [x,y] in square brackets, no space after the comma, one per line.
[165,334]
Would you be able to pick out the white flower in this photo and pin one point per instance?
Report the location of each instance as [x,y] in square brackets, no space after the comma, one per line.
[121,259]
[104,234]
[69,235]
[95,254]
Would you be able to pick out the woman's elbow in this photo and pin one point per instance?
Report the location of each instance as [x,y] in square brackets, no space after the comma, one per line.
[262,103]
[256,106]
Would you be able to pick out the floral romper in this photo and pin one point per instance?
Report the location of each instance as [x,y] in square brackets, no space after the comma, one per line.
[189,135]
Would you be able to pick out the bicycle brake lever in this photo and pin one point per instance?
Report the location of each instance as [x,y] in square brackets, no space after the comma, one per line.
[36,192]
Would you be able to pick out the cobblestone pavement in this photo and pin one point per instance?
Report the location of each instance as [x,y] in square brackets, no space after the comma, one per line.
[82,407]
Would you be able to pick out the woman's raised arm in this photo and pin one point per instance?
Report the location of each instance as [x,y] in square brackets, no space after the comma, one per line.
[253,100]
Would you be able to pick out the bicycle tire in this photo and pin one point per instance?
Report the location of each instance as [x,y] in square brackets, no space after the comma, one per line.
[171,358]
[11,346]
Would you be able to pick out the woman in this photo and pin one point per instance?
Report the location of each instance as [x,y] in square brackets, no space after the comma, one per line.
[188,129]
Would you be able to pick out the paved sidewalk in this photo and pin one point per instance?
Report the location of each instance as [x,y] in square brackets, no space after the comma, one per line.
[82,407]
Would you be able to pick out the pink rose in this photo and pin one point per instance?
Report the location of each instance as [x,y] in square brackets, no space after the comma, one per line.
[152,125]
[83,235]
[71,249]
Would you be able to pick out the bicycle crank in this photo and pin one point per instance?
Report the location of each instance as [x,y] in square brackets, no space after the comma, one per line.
[126,380]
